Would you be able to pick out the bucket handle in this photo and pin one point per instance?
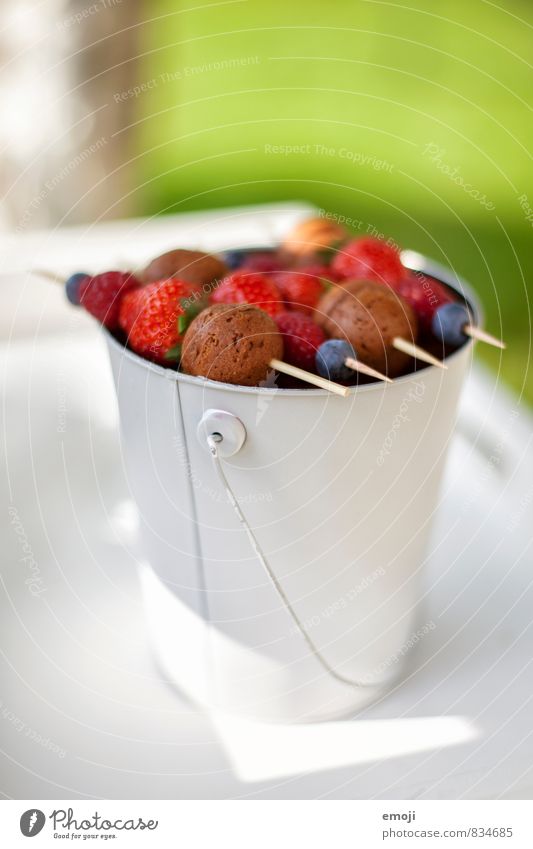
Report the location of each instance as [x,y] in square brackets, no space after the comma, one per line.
[214,443]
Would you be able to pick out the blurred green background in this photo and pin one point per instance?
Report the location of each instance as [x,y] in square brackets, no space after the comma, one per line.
[413,120]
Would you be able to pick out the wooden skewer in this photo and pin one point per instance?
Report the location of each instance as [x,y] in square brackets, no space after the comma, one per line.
[415,351]
[364,369]
[50,275]
[481,335]
[315,379]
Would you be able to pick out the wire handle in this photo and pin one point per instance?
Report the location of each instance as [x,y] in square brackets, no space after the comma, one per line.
[213,440]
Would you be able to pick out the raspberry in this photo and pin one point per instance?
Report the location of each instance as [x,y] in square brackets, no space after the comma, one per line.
[324,272]
[154,318]
[299,289]
[369,259]
[101,295]
[261,261]
[253,288]
[301,338]
[425,295]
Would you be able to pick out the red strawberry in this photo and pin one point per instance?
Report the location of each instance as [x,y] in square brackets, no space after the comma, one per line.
[425,294]
[243,288]
[300,290]
[101,295]
[155,317]
[301,338]
[369,259]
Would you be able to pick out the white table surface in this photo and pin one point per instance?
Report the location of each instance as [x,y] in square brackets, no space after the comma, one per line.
[85,712]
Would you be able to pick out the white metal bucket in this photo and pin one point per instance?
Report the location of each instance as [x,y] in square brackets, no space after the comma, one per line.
[339,492]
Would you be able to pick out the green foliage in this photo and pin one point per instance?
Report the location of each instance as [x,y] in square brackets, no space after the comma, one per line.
[413,121]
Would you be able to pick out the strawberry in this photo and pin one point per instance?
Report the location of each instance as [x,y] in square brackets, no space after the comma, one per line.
[101,295]
[367,258]
[301,338]
[299,289]
[252,288]
[156,316]
[425,294]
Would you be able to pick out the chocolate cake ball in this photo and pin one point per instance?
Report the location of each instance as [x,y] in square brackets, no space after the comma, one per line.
[313,235]
[369,316]
[194,267]
[233,343]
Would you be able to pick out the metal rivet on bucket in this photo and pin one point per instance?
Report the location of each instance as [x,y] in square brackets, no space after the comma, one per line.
[230,428]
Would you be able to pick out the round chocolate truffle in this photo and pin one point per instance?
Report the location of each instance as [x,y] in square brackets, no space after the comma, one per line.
[232,343]
[369,316]
[313,235]
[194,267]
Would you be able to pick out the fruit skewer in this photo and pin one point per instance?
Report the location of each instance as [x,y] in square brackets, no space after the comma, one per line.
[302,336]
[248,346]
[374,319]
[452,325]
[117,300]
[373,259]
[336,359]
[256,289]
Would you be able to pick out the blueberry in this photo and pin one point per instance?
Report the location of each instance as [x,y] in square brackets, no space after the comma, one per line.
[236,258]
[72,286]
[233,259]
[448,322]
[330,359]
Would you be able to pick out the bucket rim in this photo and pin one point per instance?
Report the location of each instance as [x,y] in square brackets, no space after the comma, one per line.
[413,260]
